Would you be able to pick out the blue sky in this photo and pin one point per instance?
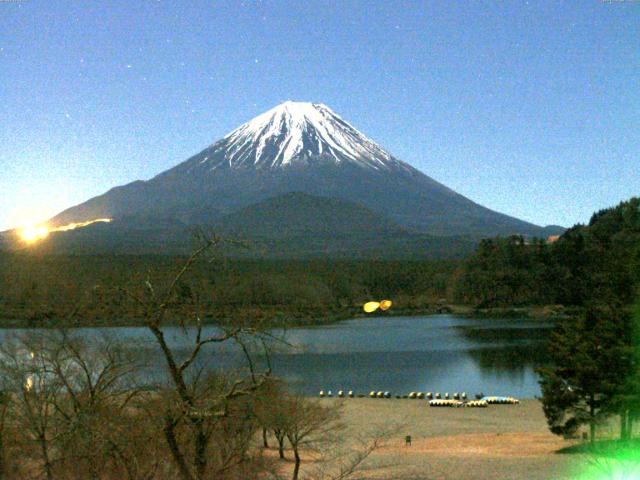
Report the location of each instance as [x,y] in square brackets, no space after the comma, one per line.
[529,108]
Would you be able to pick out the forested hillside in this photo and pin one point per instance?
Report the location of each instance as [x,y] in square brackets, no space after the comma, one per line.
[600,259]
[36,290]
[593,371]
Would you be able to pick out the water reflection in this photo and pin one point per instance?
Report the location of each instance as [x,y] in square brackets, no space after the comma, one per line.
[509,360]
[400,354]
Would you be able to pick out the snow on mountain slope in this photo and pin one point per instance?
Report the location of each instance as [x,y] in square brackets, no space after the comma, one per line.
[298,132]
[296,147]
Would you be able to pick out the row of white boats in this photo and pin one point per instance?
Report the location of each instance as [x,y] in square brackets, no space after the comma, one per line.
[435,399]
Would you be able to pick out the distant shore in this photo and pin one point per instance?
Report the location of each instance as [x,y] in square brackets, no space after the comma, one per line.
[301,318]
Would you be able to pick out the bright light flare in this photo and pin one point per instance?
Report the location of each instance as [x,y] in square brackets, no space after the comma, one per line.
[371,307]
[35,233]
[385,304]
[612,460]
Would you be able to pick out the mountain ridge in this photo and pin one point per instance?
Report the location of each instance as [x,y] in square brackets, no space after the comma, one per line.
[298,147]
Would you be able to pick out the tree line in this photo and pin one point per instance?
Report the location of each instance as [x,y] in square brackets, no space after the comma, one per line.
[599,260]
[40,290]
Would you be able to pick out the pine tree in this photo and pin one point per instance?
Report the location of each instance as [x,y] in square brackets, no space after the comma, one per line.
[589,367]
[627,400]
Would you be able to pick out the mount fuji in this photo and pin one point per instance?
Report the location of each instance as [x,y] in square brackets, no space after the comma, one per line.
[300,158]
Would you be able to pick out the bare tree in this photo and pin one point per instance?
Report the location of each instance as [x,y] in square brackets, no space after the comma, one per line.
[98,387]
[73,398]
[310,426]
[272,412]
[26,371]
[347,456]
[198,402]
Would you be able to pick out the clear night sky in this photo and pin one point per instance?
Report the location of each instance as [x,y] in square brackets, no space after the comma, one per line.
[530,108]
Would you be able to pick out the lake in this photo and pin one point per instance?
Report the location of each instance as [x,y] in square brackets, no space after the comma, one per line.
[436,353]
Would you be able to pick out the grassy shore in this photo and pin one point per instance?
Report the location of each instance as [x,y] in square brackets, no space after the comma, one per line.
[498,442]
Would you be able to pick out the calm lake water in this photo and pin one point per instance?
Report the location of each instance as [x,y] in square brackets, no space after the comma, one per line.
[438,353]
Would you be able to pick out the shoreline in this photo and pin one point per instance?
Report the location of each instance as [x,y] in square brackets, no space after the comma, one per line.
[305,318]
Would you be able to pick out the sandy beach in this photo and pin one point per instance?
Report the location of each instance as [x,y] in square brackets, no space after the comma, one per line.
[498,442]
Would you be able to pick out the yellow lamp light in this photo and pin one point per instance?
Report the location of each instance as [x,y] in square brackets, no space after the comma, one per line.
[370,307]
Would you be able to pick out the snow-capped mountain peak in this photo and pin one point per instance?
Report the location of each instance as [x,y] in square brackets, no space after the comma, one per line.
[294,148]
[299,132]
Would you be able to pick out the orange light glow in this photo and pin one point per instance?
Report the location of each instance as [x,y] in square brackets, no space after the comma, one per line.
[73,226]
[385,304]
[35,233]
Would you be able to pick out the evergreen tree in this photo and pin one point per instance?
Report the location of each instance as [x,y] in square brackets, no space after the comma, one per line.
[589,367]
[627,401]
